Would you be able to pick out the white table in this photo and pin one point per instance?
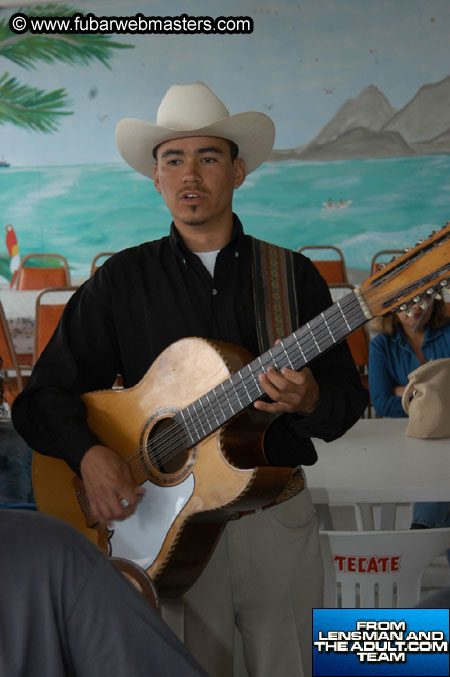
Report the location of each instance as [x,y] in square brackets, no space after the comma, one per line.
[375,462]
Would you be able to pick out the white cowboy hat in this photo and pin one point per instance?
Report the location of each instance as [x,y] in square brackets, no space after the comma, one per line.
[194,110]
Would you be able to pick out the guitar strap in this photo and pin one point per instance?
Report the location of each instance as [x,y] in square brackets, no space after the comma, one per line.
[274,292]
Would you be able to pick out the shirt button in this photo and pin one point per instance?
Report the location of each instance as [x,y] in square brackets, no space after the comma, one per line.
[214,291]
[236,254]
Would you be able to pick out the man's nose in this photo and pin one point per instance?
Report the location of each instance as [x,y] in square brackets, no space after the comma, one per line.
[191,170]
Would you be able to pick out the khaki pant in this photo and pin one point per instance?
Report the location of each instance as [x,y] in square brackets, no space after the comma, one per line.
[263,579]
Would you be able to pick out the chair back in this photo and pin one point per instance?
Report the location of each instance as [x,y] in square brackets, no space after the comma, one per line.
[95,265]
[378,569]
[333,270]
[50,304]
[359,347]
[34,277]
[376,264]
[358,341]
[9,360]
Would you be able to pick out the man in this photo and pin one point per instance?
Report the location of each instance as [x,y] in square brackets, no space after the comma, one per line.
[265,574]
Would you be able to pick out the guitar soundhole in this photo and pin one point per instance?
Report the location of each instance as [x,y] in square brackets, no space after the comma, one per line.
[166,446]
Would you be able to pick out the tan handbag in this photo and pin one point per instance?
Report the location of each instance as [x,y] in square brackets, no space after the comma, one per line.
[426,400]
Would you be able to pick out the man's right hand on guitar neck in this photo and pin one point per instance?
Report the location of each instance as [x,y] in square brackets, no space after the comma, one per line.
[110,487]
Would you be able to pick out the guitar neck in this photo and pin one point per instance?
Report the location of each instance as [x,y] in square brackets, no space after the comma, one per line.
[233,395]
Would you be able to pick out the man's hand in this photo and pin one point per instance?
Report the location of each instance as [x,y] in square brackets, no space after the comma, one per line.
[291,391]
[110,487]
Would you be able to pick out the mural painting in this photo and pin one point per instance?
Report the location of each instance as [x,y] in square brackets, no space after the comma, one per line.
[359,93]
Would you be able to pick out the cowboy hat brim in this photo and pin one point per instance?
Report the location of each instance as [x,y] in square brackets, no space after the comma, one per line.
[252,132]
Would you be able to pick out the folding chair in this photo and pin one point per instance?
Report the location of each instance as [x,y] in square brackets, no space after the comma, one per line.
[333,270]
[378,569]
[40,277]
[94,265]
[10,364]
[376,265]
[47,316]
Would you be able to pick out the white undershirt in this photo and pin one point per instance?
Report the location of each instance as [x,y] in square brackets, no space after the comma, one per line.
[208,259]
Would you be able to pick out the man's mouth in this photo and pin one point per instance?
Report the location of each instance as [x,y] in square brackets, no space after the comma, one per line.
[191,195]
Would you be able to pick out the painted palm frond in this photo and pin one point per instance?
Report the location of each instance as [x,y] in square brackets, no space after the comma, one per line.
[5,270]
[29,107]
[81,49]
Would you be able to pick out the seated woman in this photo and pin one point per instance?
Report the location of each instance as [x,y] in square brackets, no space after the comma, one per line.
[406,342]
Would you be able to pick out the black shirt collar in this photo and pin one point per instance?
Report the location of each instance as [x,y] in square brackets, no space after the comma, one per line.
[181,251]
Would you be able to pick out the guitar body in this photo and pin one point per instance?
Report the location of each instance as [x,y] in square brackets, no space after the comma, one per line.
[188,499]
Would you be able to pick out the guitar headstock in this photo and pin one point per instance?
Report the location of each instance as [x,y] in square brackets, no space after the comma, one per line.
[413,277]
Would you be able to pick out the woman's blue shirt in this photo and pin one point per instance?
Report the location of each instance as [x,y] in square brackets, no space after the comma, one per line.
[391,359]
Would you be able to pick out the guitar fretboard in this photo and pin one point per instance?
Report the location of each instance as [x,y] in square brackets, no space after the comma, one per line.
[229,398]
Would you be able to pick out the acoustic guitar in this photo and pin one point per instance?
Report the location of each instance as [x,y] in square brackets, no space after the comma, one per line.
[189,435]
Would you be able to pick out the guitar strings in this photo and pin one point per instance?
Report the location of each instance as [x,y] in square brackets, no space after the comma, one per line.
[226,400]
[163,446]
[169,441]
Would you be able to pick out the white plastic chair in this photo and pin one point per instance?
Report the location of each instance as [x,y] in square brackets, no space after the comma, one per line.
[378,569]
[364,516]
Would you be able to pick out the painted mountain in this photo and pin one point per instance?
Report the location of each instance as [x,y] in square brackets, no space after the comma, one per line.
[369,127]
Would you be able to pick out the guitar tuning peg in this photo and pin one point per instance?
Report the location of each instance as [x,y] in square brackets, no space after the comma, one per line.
[430,291]
[416,299]
[406,249]
[437,296]
[443,283]
[423,305]
[403,307]
[420,240]
[409,313]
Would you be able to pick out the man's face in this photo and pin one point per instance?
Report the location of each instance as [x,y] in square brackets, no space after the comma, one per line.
[196,177]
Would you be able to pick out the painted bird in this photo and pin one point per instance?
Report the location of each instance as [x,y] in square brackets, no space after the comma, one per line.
[13,251]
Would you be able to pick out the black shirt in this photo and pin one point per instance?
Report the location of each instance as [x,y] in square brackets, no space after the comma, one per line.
[145,298]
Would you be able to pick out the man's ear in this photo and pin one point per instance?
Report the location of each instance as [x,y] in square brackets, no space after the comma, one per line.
[239,172]
[156,177]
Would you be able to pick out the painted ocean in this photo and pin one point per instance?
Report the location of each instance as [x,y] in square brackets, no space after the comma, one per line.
[79,211]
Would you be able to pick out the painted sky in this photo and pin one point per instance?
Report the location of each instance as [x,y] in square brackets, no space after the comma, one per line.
[297,51]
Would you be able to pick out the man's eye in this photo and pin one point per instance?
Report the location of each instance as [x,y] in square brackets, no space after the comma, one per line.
[209,159]
[175,161]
